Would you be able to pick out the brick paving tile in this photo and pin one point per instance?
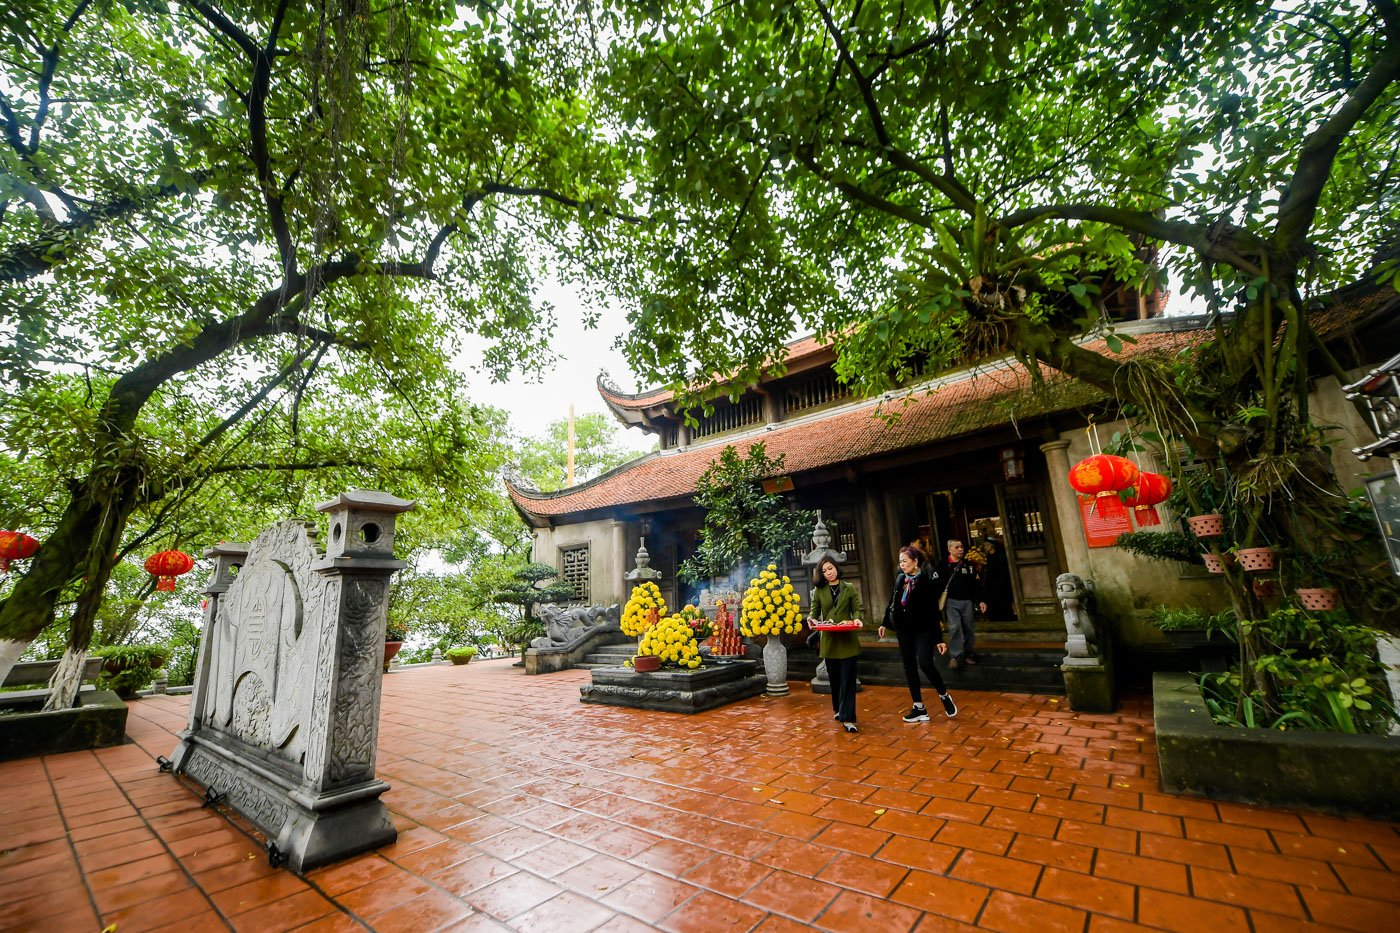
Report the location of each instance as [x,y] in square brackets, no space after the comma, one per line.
[541,813]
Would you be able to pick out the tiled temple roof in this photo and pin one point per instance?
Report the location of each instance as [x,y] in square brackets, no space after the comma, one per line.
[961,404]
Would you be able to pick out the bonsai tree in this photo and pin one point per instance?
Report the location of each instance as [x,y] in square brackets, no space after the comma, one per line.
[527,589]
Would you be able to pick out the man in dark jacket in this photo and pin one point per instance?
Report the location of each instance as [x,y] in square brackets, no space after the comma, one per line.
[963,589]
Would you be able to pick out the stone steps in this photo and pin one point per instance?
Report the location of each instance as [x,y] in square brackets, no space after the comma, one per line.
[1013,667]
[608,656]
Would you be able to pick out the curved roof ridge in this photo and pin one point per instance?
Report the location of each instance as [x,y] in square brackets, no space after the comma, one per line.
[537,495]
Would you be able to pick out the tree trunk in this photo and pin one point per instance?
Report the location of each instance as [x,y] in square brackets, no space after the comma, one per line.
[79,550]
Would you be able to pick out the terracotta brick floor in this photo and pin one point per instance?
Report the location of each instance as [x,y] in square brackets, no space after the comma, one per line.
[520,808]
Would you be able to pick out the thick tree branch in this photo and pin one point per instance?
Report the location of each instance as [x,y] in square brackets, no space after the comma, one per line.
[946,184]
[255,100]
[1232,246]
[23,261]
[1300,199]
[854,192]
[226,27]
[287,467]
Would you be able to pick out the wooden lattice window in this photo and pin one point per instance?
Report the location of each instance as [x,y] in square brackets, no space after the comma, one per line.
[814,391]
[1027,521]
[748,410]
[575,572]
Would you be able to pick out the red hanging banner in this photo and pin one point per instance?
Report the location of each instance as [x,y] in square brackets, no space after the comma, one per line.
[1103,525]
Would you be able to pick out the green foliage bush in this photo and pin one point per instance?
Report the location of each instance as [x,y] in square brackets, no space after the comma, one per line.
[135,665]
[1326,673]
[467,652]
[1162,545]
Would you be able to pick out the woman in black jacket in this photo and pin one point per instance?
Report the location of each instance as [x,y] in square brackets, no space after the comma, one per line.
[915,617]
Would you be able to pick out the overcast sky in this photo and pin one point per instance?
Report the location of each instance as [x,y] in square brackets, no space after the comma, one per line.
[582,351]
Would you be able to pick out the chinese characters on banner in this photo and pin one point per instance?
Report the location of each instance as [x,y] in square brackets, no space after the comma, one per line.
[1103,525]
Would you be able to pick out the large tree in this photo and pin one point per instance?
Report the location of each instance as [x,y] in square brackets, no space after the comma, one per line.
[931,183]
[219,216]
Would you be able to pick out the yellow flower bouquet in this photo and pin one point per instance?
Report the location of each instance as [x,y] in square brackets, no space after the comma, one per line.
[770,606]
[673,641]
[637,614]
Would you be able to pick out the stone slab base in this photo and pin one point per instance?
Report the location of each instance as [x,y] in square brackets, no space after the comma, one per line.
[98,721]
[1344,773]
[309,829]
[676,691]
[1090,689]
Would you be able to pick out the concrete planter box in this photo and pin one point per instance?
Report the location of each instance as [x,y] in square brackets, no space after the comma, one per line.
[99,720]
[1346,773]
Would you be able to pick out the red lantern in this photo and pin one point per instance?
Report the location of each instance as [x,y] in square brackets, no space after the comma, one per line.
[16,545]
[1149,490]
[1103,476]
[167,565]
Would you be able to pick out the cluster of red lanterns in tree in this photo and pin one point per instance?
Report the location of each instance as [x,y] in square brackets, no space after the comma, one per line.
[16,545]
[167,565]
[1114,482]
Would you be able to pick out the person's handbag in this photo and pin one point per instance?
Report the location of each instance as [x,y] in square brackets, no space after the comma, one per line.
[943,600]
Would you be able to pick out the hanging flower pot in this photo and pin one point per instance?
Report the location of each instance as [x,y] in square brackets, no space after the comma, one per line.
[1319,599]
[1255,559]
[1207,526]
[1265,588]
[1214,563]
[16,545]
[1150,490]
[166,566]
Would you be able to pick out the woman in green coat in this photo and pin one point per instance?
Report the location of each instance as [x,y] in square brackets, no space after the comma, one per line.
[837,601]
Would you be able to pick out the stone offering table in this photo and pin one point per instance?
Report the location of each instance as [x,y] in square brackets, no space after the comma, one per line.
[676,691]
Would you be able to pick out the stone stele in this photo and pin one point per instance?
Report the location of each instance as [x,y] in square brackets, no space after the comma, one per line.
[284,719]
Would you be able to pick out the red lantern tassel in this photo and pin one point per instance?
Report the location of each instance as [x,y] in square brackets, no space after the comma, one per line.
[166,585]
[1147,515]
[1108,504]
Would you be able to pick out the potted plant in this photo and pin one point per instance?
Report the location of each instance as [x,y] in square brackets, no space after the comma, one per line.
[461,655]
[1255,559]
[1314,588]
[128,668]
[1194,628]
[1196,495]
[700,625]
[393,640]
[669,642]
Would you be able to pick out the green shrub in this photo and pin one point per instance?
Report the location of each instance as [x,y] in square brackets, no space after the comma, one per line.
[1179,620]
[1162,545]
[467,652]
[129,668]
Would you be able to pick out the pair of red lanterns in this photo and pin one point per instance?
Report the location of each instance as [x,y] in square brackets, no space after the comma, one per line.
[1106,477]
[165,566]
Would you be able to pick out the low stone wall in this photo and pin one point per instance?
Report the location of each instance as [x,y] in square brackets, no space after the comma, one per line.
[98,721]
[1357,774]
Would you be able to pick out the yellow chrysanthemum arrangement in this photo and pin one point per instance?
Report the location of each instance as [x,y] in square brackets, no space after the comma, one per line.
[636,615]
[673,641]
[770,606]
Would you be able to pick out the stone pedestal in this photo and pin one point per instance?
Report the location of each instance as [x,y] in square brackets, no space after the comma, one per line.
[284,718]
[1089,687]
[675,691]
[821,680]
